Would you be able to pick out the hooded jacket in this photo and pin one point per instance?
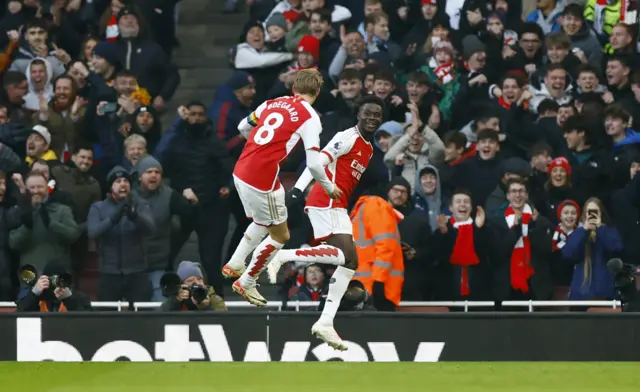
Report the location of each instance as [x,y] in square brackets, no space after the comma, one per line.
[435,204]
[550,22]
[431,152]
[25,55]
[32,99]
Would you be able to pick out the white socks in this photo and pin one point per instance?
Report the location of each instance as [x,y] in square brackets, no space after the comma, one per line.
[260,259]
[323,254]
[251,239]
[337,287]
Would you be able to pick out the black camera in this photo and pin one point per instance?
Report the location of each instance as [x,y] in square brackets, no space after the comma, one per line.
[171,284]
[28,274]
[624,281]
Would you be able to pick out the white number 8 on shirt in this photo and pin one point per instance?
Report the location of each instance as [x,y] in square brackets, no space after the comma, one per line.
[265,133]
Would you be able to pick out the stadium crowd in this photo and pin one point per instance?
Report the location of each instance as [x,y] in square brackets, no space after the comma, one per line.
[508,145]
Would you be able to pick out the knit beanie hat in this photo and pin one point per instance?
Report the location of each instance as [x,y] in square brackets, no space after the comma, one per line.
[187,269]
[146,163]
[115,173]
[471,45]
[560,162]
[277,19]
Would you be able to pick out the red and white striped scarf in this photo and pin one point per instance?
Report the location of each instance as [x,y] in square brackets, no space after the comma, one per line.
[560,238]
[112,31]
[521,269]
[444,73]
[51,186]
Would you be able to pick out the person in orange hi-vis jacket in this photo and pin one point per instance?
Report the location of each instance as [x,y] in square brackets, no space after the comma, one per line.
[380,260]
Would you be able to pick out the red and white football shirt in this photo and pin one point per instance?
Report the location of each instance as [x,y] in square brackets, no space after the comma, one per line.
[279,125]
[349,156]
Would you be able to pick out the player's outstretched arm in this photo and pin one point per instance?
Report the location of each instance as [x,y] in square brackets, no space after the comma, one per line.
[306,177]
[311,139]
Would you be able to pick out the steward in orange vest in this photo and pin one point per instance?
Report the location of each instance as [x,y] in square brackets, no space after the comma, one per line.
[380,257]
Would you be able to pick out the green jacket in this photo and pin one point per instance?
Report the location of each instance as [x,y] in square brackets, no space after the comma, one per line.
[171,304]
[40,244]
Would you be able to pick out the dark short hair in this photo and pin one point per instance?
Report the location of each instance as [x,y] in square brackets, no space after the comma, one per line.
[548,105]
[81,147]
[617,111]
[11,78]
[461,191]
[387,75]
[490,134]
[516,180]
[541,148]
[349,74]
[325,15]
[370,99]
[456,138]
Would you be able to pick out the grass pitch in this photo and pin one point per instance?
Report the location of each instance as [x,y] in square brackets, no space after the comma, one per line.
[311,377]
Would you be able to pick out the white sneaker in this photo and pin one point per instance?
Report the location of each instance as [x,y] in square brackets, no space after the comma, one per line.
[230,273]
[329,335]
[251,294]
[273,267]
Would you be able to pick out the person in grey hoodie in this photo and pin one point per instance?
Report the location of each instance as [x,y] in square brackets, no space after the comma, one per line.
[428,196]
[414,150]
[584,42]
[118,224]
[164,203]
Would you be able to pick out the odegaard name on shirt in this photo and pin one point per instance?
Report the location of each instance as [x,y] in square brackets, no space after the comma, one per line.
[286,106]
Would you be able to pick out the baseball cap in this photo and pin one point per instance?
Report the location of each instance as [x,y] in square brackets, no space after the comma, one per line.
[42,131]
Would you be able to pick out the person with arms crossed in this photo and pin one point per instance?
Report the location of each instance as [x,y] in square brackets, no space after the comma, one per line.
[272,131]
[346,158]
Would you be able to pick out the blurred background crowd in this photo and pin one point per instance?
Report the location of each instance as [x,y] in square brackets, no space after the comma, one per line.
[525,109]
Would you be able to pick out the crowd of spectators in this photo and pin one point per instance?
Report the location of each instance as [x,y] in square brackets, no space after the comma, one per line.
[508,143]
[521,126]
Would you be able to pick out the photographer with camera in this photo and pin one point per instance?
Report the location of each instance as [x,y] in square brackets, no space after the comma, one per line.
[186,290]
[51,291]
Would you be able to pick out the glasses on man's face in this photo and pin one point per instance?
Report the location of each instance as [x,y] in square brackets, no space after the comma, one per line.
[399,190]
[518,191]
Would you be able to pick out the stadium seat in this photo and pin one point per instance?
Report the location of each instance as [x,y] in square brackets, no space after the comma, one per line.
[604,310]
[420,309]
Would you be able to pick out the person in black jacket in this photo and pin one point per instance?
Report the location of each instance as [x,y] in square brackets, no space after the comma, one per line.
[146,59]
[199,166]
[45,297]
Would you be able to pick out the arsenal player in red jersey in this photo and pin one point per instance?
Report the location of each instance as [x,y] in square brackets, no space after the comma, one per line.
[345,158]
[272,131]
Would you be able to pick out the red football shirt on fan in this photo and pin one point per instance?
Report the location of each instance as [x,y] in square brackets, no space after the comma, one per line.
[278,126]
[349,156]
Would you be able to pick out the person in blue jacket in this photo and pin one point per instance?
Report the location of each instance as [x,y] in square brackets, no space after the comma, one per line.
[589,247]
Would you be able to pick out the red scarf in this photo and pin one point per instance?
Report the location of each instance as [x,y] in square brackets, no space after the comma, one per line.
[51,186]
[559,238]
[521,269]
[464,251]
[112,32]
[507,105]
[445,73]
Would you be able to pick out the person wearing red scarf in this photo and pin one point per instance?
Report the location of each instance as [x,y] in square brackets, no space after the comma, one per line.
[461,240]
[521,252]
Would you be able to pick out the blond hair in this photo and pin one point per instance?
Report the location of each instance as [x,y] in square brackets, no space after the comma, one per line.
[308,82]
[135,138]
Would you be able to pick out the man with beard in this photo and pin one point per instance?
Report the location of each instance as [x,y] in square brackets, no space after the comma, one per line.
[46,229]
[146,59]
[40,88]
[63,117]
[200,168]
[165,203]
[118,224]
[75,179]
[38,144]
[346,157]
